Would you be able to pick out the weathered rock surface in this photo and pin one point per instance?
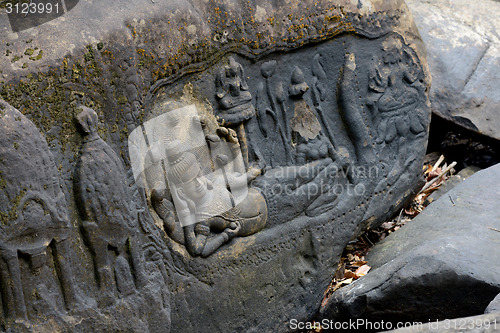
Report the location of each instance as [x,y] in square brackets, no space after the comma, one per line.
[334,145]
[440,265]
[494,305]
[46,268]
[463,45]
[450,183]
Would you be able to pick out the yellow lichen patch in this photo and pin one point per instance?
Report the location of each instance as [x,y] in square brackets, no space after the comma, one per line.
[11,215]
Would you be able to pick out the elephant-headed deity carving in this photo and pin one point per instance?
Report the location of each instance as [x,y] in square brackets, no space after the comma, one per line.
[202,192]
[210,214]
[35,227]
[110,221]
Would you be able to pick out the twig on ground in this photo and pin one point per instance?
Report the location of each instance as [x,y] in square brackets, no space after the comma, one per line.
[451,199]
[429,184]
[401,214]
[438,163]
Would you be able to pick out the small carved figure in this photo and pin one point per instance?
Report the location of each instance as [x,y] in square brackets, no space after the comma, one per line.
[110,221]
[235,101]
[304,121]
[396,98]
[298,87]
[33,213]
[313,149]
[393,81]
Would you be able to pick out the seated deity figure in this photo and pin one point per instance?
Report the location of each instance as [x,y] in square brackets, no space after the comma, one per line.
[209,213]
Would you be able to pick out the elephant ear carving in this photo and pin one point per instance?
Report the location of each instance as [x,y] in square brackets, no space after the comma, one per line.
[31,203]
[26,164]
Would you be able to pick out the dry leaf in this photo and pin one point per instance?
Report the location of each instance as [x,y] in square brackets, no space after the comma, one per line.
[342,283]
[427,168]
[358,263]
[340,271]
[387,225]
[361,271]
[352,257]
[350,275]
[433,174]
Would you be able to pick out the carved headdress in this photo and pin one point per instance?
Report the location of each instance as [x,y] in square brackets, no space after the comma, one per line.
[182,165]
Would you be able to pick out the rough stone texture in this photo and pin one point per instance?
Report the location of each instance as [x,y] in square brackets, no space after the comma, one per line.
[487,323]
[437,266]
[463,44]
[450,183]
[494,305]
[46,268]
[342,136]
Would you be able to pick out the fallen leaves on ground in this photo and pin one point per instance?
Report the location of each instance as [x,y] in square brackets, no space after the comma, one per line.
[435,176]
[352,265]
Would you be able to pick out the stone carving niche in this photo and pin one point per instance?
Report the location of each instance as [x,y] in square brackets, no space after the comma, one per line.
[193,166]
[322,149]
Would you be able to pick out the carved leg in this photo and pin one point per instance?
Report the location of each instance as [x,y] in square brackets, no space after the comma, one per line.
[213,244]
[61,251]
[137,261]
[6,283]
[401,154]
[17,288]
[242,138]
[124,279]
[104,271]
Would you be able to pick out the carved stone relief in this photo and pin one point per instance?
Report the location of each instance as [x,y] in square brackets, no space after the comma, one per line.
[35,228]
[332,139]
[109,216]
[216,171]
[329,142]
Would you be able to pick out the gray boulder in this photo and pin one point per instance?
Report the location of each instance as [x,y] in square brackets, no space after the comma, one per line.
[494,305]
[463,45]
[440,265]
[450,183]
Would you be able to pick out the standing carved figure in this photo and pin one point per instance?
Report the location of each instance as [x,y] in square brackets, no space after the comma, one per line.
[395,97]
[33,215]
[304,122]
[110,221]
[235,101]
